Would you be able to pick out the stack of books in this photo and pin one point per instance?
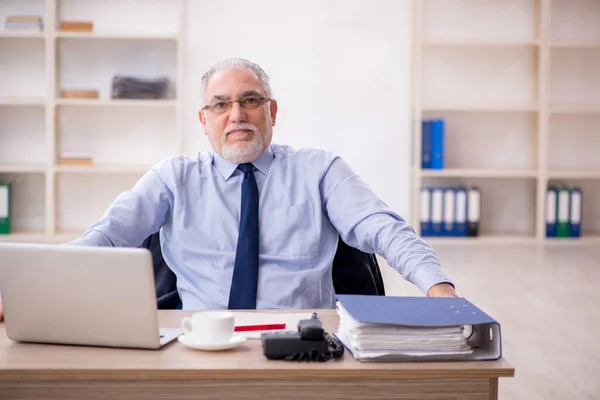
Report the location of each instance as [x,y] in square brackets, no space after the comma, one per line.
[385,328]
[24,23]
[127,87]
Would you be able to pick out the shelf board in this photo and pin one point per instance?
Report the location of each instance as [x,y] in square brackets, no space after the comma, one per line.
[574,44]
[469,42]
[7,168]
[21,34]
[481,240]
[115,35]
[574,174]
[498,107]
[478,173]
[116,103]
[22,101]
[583,240]
[103,169]
[574,108]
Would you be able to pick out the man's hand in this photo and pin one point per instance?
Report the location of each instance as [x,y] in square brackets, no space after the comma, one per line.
[442,290]
[1,312]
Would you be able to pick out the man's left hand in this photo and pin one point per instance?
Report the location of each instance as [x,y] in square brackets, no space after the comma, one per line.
[442,290]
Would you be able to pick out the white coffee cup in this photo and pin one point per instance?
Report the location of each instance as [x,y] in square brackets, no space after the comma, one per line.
[209,327]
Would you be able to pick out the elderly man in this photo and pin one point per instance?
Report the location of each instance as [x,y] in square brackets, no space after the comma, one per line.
[254,224]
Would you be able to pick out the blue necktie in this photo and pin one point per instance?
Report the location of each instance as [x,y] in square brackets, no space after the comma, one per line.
[245,269]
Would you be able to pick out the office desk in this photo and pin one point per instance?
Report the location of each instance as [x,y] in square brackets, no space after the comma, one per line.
[176,372]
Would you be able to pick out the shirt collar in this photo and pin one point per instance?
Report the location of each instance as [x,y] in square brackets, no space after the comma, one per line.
[226,168]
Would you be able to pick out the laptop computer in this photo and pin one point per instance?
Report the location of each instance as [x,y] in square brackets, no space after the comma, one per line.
[96,296]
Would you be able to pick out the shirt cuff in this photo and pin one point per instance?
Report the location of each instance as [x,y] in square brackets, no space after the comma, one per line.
[92,238]
[429,275]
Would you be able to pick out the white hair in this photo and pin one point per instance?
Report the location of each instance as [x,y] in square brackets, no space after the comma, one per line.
[236,63]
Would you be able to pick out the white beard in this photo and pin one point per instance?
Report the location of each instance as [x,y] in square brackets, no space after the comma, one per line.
[243,152]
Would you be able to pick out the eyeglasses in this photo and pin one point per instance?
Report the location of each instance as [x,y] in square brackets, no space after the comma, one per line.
[247,103]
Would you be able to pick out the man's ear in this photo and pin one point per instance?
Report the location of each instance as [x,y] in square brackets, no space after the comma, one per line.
[202,118]
[273,109]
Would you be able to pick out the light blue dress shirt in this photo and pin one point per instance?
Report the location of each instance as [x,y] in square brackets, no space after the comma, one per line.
[306,198]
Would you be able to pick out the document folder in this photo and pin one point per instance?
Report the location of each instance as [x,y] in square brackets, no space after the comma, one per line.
[473,211]
[562,215]
[437,211]
[425,208]
[426,144]
[551,204]
[575,212]
[449,213]
[5,209]
[460,220]
[482,331]
[437,144]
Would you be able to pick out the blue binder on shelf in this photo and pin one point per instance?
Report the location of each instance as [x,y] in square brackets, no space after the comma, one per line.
[449,213]
[426,144]
[551,209]
[429,312]
[437,144]
[425,211]
[437,211]
[575,215]
[460,215]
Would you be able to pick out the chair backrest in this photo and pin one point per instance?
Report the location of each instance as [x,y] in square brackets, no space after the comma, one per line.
[354,272]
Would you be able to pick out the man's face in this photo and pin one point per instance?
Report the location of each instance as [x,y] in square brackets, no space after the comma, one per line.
[238,134]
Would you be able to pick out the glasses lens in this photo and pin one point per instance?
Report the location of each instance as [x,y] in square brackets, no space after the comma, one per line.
[220,107]
[251,102]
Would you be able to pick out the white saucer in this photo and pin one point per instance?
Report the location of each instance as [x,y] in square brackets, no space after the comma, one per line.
[234,341]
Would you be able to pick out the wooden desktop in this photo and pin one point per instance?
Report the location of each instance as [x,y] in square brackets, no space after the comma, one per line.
[35,371]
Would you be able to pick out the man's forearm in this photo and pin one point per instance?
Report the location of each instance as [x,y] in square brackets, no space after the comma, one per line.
[93,238]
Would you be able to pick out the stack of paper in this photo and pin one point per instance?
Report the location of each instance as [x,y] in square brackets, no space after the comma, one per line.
[376,328]
[24,23]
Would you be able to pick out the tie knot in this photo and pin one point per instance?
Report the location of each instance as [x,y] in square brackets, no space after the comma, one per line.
[246,167]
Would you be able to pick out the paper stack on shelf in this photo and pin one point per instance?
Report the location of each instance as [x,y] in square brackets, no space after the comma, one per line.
[79,94]
[380,328]
[24,23]
[76,26]
[75,158]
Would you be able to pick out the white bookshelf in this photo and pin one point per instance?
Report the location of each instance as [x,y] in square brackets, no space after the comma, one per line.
[144,38]
[116,36]
[116,103]
[521,108]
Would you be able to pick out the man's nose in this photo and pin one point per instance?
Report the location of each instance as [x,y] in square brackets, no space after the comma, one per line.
[237,113]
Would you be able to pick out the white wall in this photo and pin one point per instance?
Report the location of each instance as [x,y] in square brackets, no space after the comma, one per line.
[340,70]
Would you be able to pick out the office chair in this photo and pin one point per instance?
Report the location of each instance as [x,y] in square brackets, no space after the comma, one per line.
[353,272]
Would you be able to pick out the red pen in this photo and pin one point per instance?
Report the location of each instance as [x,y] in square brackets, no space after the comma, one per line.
[266,327]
